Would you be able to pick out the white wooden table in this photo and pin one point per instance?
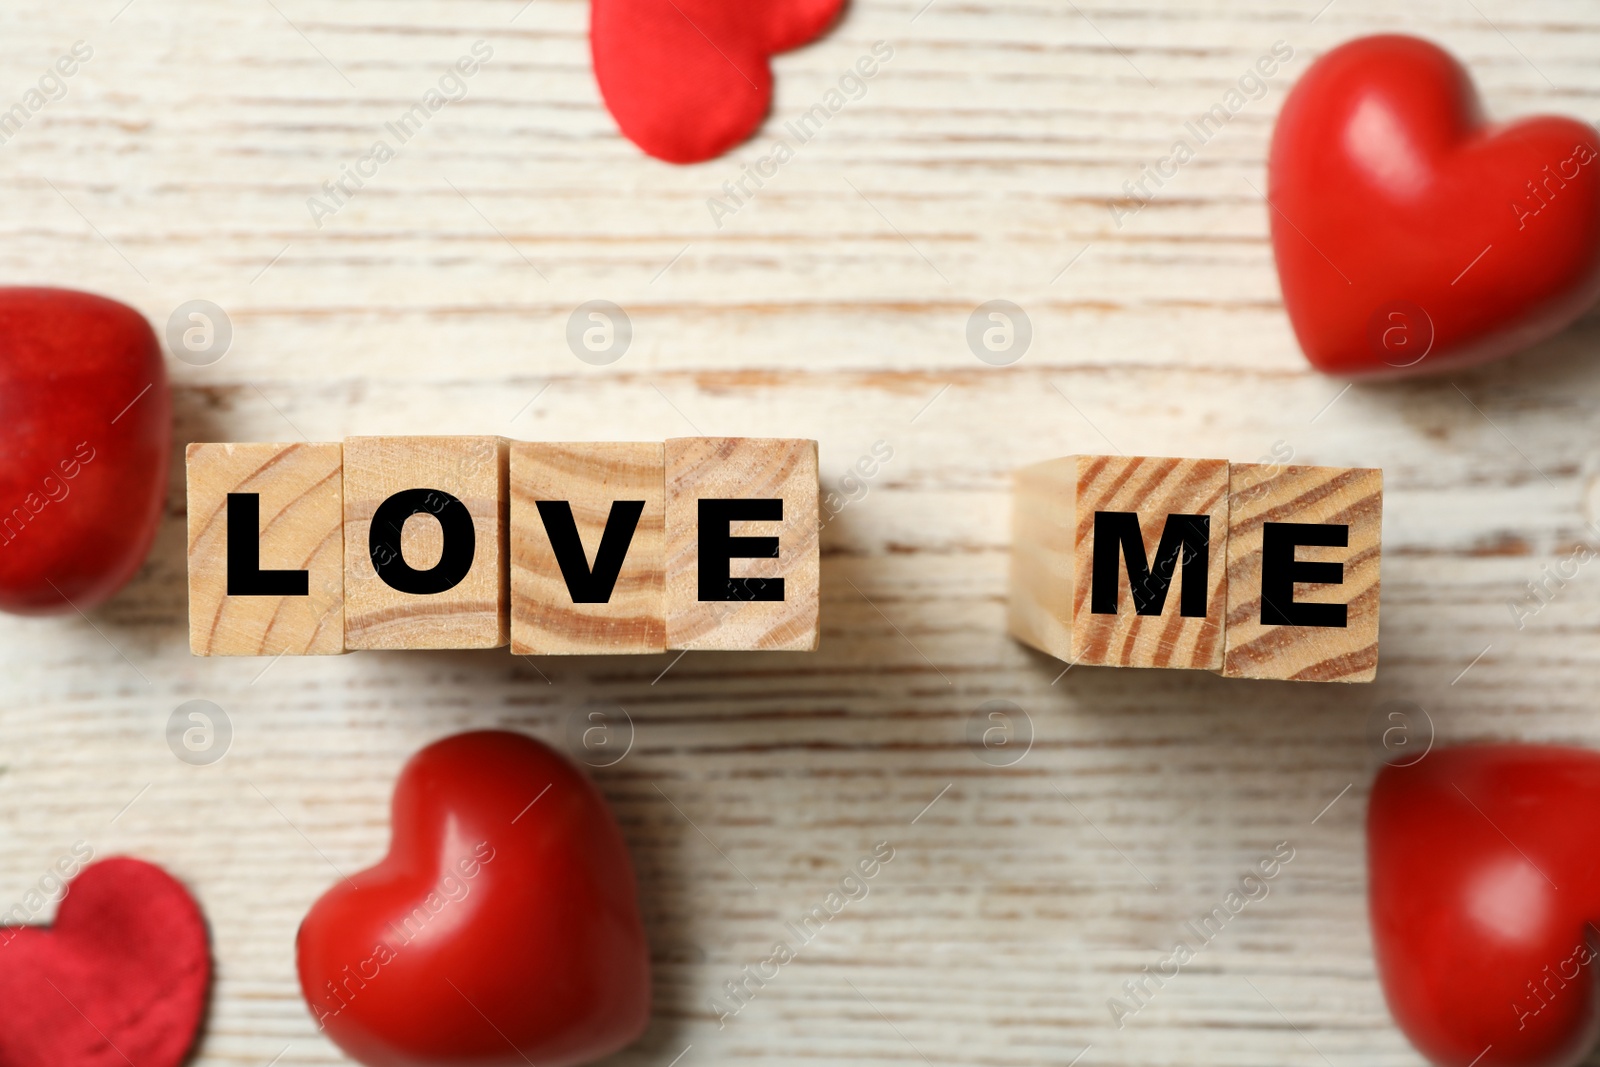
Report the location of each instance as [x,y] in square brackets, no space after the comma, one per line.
[978,165]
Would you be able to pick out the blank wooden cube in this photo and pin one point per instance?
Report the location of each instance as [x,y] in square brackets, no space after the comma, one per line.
[266,549]
[1304,547]
[1118,561]
[743,566]
[587,548]
[426,547]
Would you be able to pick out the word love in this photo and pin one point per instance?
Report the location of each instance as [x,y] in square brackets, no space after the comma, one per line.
[1276,566]
[474,542]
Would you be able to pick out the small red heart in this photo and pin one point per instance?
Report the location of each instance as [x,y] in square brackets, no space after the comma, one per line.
[1411,236]
[119,979]
[502,928]
[1484,880]
[687,80]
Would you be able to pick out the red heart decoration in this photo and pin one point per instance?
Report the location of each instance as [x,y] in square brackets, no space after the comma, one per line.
[687,80]
[85,425]
[1410,236]
[501,929]
[1484,880]
[119,979]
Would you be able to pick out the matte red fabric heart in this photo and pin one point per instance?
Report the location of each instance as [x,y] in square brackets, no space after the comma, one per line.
[1484,880]
[687,80]
[502,928]
[120,978]
[1410,236]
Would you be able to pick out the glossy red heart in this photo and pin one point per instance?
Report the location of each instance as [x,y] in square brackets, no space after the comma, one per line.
[502,928]
[687,80]
[85,428]
[119,979]
[1484,880]
[1410,235]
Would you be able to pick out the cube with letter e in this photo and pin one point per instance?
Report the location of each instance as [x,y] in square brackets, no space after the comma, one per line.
[743,563]
[1304,545]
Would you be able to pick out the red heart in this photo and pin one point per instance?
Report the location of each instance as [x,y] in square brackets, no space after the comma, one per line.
[501,929]
[85,423]
[1484,878]
[1410,236]
[687,80]
[119,979]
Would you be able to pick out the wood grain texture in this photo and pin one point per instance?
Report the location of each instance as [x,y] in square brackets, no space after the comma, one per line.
[1024,892]
[757,616]
[1044,524]
[475,612]
[1350,497]
[1152,489]
[301,512]
[590,478]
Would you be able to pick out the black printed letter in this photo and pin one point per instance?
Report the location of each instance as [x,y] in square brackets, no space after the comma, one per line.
[718,547]
[460,541]
[1280,571]
[586,585]
[245,576]
[1120,529]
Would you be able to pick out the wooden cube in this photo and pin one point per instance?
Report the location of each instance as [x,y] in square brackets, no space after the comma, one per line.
[1304,547]
[587,551]
[266,549]
[743,565]
[1043,524]
[426,548]
[1119,561]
